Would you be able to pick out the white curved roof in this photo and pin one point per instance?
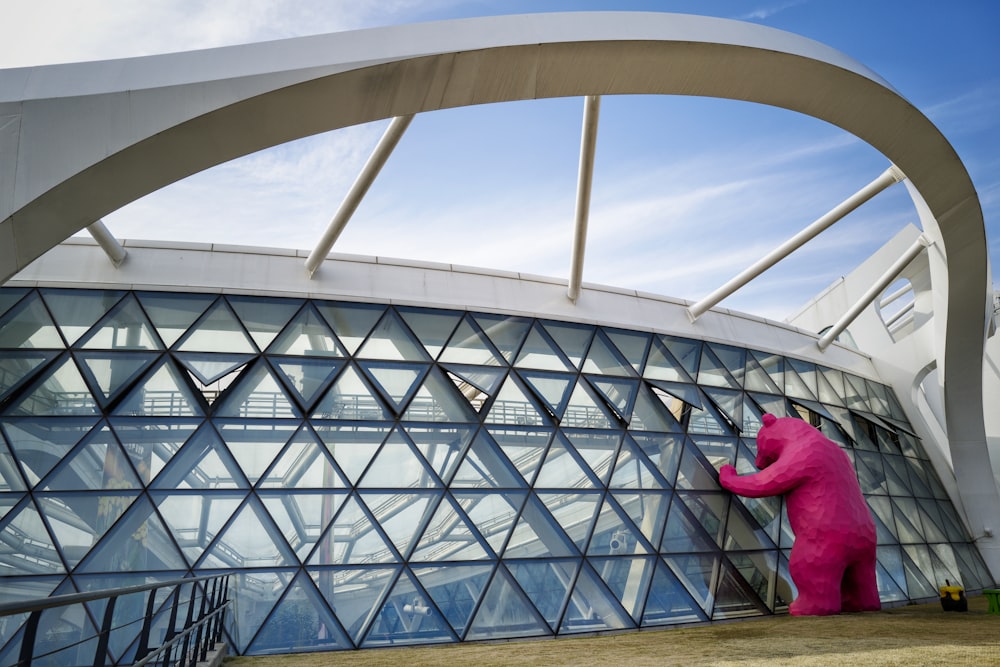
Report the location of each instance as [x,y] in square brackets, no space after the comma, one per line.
[80,141]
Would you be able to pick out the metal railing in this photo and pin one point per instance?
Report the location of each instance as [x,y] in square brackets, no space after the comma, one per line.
[183,643]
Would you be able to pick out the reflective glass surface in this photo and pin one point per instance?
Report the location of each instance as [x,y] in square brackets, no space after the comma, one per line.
[377,475]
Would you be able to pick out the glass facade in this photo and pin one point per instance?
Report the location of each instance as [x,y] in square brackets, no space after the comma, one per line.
[378,475]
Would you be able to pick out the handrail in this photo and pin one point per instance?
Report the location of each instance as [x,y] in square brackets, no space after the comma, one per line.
[207,622]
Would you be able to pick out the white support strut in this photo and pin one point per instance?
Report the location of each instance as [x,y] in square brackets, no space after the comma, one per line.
[588,147]
[889,177]
[112,248]
[357,192]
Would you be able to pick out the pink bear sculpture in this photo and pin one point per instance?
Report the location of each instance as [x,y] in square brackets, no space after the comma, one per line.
[833,558]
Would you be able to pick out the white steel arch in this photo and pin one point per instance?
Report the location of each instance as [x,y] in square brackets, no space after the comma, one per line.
[79,141]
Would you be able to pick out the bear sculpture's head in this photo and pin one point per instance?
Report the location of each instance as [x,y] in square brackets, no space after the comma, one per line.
[779,433]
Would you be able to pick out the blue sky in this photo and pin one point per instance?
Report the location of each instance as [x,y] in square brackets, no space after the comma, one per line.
[687,191]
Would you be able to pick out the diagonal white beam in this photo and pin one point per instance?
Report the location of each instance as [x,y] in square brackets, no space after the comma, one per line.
[112,248]
[357,192]
[588,146]
[889,177]
[872,293]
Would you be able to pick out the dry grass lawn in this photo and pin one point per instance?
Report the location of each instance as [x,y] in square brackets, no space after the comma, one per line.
[909,636]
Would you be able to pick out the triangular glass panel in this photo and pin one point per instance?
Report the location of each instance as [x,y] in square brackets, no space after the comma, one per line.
[661,364]
[449,536]
[203,463]
[110,372]
[856,393]
[351,322]
[485,466]
[632,345]
[878,398]
[308,335]
[733,358]
[687,393]
[18,366]
[512,406]
[476,383]
[552,388]
[244,626]
[258,395]
[730,403]
[699,574]
[546,583]
[572,339]
[455,589]
[795,386]
[604,358]
[825,390]
[718,450]
[408,617]
[264,316]
[506,332]
[194,519]
[432,327]
[629,578]
[302,517]
[402,516]
[305,464]
[137,542]
[492,513]
[885,524]
[539,352]
[775,405]
[931,519]
[29,326]
[39,444]
[218,330]
[596,448]
[668,601]
[695,471]
[352,446]
[536,535]
[10,478]
[255,445]
[172,314]
[871,476]
[59,390]
[710,421]
[355,593]
[744,532]
[919,572]
[352,539]
[592,607]
[615,534]
[896,477]
[575,512]
[709,509]
[391,340]
[163,393]
[125,327]
[396,381]
[441,445]
[525,447]
[888,589]
[438,400]
[633,470]
[664,452]
[585,411]
[618,393]
[398,465]
[945,566]
[654,411]
[22,589]
[306,378]
[713,372]
[350,398]
[470,346]
[249,540]
[24,539]
[562,469]
[98,463]
[300,622]
[8,297]
[648,511]
[735,597]
[505,612]
[150,446]
[907,521]
[774,366]
[758,379]
[753,418]
[75,311]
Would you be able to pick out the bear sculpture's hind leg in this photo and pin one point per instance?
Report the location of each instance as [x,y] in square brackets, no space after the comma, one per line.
[860,587]
[818,582]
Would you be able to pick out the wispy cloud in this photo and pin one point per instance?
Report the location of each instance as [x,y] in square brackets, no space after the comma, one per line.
[762,13]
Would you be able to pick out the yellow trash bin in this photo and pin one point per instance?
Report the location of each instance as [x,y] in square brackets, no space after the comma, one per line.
[953,597]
